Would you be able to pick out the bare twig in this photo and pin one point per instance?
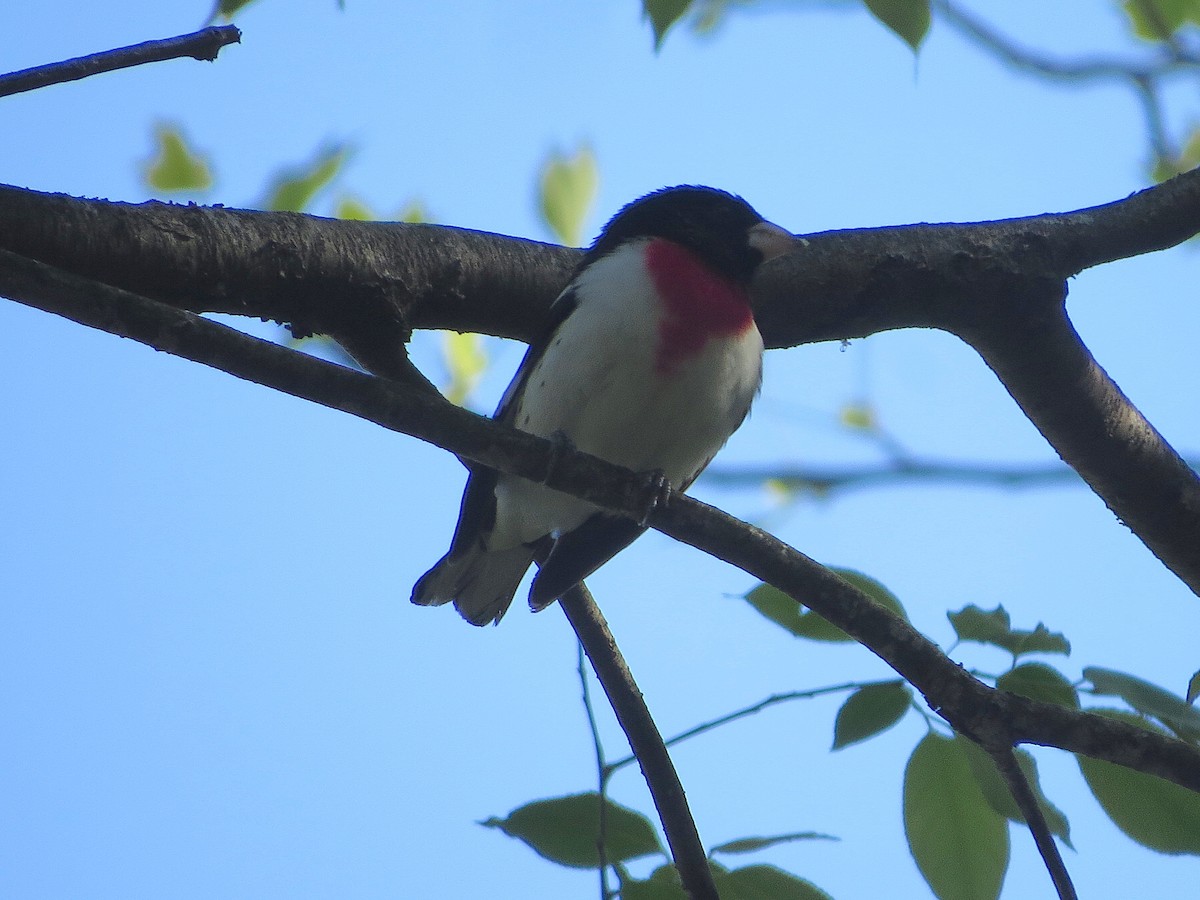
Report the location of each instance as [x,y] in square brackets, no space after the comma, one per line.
[630,707]
[1144,76]
[746,711]
[1018,785]
[1092,68]
[602,773]
[825,481]
[204,44]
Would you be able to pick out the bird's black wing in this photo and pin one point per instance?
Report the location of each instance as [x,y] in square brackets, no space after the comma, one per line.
[579,553]
[560,309]
[477,514]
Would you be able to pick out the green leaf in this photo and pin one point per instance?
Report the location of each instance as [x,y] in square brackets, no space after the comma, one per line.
[1038,681]
[1174,712]
[175,166]
[859,417]
[713,13]
[775,605]
[785,612]
[663,884]
[566,830]
[1193,690]
[999,797]
[779,490]
[1189,157]
[465,361]
[567,192]
[1157,20]
[816,627]
[227,8]
[750,845]
[959,842]
[293,189]
[1154,812]
[662,15]
[909,19]
[414,213]
[872,589]
[765,883]
[869,711]
[353,210]
[974,624]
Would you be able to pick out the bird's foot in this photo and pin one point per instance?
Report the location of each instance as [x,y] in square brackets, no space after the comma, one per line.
[655,494]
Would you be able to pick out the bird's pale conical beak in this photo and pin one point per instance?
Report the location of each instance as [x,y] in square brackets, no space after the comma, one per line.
[770,240]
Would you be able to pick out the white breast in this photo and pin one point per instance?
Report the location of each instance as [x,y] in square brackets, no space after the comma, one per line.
[598,384]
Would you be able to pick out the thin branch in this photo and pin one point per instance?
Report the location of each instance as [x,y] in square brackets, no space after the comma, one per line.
[1144,77]
[602,772]
[970,706]
[1096,68]
[1018,785]
[826,481]
[746,711]
[1150,99]
[204,44]
[630,707]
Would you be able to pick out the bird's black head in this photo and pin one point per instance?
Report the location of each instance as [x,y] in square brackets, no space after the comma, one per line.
[711,223]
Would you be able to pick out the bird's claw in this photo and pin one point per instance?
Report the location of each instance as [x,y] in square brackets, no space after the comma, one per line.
[656,493]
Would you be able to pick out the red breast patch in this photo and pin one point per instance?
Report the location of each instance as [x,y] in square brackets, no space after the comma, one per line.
[698,303]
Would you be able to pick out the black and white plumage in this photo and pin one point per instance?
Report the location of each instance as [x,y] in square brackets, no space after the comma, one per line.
[651,361]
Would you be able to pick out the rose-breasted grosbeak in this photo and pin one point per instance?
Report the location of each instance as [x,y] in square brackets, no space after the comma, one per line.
[650,361]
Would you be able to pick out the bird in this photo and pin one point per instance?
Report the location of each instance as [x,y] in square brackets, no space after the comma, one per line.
[650,360]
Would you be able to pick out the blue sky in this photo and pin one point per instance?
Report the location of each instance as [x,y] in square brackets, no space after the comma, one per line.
[212,681]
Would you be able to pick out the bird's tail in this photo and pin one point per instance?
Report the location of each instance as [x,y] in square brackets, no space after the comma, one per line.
[480,582]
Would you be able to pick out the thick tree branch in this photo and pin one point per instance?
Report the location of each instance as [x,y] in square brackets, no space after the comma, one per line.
[366,284]
[1100,434]
[1001,288]
[856,282]
[989,716]
[998,285]
[204,44]
[304,270]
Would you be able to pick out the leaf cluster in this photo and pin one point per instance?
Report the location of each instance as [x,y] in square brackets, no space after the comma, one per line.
[957,807]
